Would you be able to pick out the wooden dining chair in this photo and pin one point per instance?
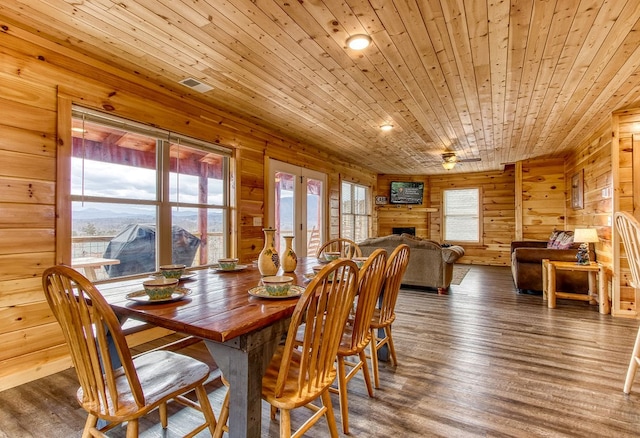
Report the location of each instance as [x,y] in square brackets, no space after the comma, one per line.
[357,334]
[629,230]
[346,247]
[384,316]
[300,373]
[114,386]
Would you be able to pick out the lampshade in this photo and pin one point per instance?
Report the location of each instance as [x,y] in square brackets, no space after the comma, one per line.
[358,42]
[448,165]
[586,235]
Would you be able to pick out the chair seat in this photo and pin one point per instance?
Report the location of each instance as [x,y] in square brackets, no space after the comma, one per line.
[158,378]
[346,348]
[375,320]
[291,399]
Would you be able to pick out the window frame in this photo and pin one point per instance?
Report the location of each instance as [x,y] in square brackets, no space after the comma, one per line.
[478,216]
[353,215]
[163,203]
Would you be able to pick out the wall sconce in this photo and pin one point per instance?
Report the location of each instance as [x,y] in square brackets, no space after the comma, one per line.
[358,42]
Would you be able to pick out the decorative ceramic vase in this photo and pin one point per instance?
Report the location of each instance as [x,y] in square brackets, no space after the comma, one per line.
[288,260]
[268,260]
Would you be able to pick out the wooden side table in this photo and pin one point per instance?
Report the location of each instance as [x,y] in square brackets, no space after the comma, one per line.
[597,279]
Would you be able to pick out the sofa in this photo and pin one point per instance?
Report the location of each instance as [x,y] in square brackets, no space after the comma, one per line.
[526,263]
[430,264]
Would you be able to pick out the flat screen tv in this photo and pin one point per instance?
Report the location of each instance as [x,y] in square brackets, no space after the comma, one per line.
[406,192]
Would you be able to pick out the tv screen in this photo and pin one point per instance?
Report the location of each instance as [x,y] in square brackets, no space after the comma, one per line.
[406,192]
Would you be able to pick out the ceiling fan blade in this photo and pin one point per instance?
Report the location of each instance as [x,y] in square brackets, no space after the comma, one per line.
[468,160]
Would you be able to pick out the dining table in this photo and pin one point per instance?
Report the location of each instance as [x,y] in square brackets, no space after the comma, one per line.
[228,309]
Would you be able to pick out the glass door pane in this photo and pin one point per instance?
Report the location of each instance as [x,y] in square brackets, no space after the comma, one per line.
[314,215]
[296,206]
[285,207]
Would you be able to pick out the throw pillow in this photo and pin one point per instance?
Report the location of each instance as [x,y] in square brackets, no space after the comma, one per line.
[565,242]
[554,235]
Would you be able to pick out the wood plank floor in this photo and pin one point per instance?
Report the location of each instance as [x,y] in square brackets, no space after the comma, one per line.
[482,361]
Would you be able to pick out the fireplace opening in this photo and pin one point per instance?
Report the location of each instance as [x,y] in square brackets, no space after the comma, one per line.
[404,230]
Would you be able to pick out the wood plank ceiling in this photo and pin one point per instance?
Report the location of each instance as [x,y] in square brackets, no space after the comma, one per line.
[497,80]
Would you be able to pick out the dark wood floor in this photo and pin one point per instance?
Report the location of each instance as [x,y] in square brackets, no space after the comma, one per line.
[481,361]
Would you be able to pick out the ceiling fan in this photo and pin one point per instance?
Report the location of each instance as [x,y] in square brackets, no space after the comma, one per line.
[449,160]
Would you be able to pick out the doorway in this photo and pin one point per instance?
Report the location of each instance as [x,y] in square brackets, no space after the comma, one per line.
[296,204]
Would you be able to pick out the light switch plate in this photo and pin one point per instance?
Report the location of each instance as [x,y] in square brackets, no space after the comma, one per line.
[257,221]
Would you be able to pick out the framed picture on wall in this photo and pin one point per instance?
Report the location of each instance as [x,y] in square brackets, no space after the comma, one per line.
[577,191]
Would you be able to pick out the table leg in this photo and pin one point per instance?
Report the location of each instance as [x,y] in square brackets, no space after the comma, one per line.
[90,273]
[545,280]
[551,286]
[603,296]
[243,361]
[592,287]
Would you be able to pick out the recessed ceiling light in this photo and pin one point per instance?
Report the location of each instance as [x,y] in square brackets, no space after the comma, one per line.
[386,127]
[358,42]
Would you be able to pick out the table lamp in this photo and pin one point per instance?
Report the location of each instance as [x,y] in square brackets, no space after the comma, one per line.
[586,236]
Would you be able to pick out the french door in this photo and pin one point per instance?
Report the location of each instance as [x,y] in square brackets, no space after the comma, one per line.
[296,204]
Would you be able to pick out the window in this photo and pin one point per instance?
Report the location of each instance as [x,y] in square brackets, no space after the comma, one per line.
[142,196]
[461,215]
[355,213]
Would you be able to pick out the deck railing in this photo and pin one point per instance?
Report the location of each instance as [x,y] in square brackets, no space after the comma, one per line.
[95,246]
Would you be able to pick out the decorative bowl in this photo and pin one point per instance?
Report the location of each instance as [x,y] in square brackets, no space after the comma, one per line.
[228,264]
[172,271]
[160,288]
[277,285]
[359,261]
[331,256]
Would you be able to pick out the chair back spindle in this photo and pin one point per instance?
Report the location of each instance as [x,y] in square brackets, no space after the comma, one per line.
[396,266]
[95,338]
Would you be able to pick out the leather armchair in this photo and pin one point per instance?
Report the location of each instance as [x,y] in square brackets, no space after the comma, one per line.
[526,266]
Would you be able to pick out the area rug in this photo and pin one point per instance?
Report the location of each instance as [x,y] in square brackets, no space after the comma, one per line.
[459,271]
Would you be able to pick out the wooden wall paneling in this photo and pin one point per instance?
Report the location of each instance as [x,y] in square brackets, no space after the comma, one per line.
[28,142]
[27,217]
[623,301]
[20,291]
[25,368]
[543,198]
[594,159]
[29,340]
[18,190]
[635,169]
[17,241]
[518,210]
[251,181]
[25,316]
